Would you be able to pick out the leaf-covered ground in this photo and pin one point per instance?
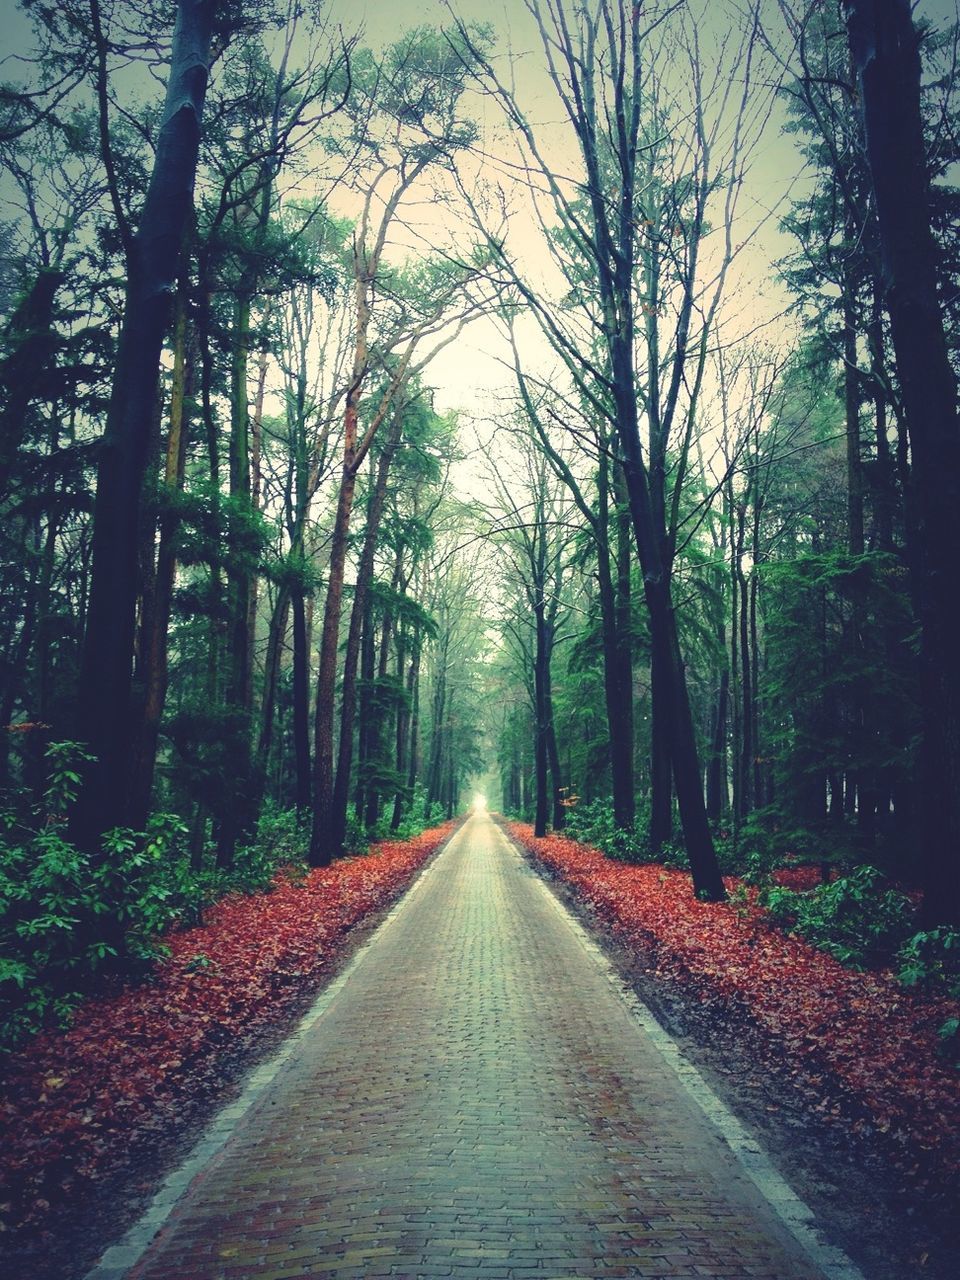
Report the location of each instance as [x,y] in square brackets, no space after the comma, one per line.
[76,1103]
[868,1046]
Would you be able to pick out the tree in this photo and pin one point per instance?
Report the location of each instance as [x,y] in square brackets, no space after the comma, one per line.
[606,518]
[270,121]
[535,538]
[884,49]
[153,254]
[457,599]
[638,214]
[56,349]
[314,338]
[405,118]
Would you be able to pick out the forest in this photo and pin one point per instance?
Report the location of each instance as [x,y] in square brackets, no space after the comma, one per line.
[560,411]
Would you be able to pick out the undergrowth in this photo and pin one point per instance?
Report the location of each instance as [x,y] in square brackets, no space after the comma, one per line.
[854,914]
[68,919]
[856,918]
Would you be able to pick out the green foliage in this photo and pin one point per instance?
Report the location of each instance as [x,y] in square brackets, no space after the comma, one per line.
[730,854]
[931,959]
[415,819]
[949,1035]
[768,838]
[65,760]
[356,840]
[66,918]
[855,918]
[815,674]
[281,842]
[296,572]
[592,823]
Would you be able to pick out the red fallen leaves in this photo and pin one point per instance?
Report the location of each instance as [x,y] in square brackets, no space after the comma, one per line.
[872,1040]
[798,878]
[75,1102]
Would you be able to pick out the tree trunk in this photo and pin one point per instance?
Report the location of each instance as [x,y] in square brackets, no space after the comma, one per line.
[707,881]
[717,764]
[758,771]
[153,658]
[239,813]
[323,844]
[436,743]
[368,662]
[736,736]
[413,771]
[301,701]
[276,639]
[153,260]
[661,760]
[851,402]
[559,816]
[402,729]
[372,812]
[885,501]
[746,758]
[884,46]
[323,839]
[452,793]
[32,639]
[622,722]
[348,686]
[540,717]
[855,521]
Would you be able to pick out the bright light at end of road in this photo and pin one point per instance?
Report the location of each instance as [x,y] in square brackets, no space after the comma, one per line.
[479,801]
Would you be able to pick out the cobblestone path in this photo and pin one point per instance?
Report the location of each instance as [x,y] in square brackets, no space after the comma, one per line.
[476,1101]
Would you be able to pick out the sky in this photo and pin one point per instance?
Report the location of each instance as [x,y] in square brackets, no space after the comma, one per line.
[467,375]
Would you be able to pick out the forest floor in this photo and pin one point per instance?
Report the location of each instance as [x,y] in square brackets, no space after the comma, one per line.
[837,1071]
[92,1117]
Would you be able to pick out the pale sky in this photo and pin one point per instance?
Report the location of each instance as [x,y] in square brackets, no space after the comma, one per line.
[467,375]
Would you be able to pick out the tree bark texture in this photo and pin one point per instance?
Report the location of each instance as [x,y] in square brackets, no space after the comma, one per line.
[153,659]
[884,47]
[104,719]
[348,686]
[540,675]
[322,842]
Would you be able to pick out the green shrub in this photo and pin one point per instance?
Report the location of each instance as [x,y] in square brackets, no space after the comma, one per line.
[673,854]
[355,840]
[931,959]
[592,823]
[66,918]
[282,840]
[949,1035]
[415,818]
[766,841]
[855,918]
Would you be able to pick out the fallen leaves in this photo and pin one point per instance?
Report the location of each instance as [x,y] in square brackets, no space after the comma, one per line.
[871,1042]
[76,1102]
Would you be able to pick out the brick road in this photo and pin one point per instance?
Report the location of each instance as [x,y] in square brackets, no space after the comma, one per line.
[476,1101]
